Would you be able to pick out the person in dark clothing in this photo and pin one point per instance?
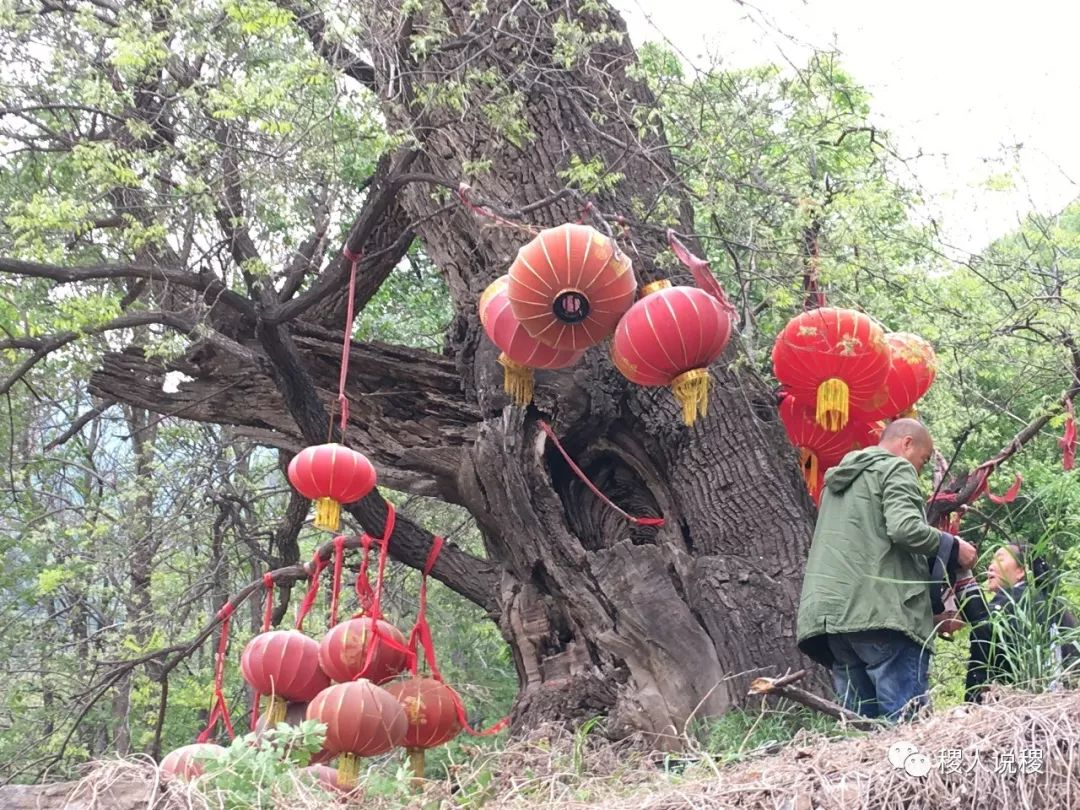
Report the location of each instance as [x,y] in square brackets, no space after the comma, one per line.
[1016,636]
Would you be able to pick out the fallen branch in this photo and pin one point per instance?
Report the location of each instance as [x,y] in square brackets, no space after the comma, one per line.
[781,687]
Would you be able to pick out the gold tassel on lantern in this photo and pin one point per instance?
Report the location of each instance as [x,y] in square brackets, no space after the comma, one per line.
[327,514]
[517,381]
[908,413]
[691,388]
[348,769]
[832,404]
[416,763]
[275,711]
[809,461]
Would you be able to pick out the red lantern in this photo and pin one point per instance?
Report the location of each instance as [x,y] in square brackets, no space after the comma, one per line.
[295,714]
[362,720]
[911,373]
[330,475]
[431,707]
[363,648]
[283,664]
[820,449]
[569,286]
[520,352]
[186,763]
[670,337]
[325,776]
[831,359]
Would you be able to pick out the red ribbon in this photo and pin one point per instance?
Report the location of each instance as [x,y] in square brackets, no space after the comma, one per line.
[1068,441]
[699,269]
[346,342]
[365,596]
[1010,494]
[313,590]
[268,614]
[335,587]
[640,521]
[481,210]
[220,709]
[421,632]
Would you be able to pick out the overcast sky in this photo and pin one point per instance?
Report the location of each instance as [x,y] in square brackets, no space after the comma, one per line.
[958,80]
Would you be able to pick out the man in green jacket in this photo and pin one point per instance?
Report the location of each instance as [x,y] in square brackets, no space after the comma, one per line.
[865,610]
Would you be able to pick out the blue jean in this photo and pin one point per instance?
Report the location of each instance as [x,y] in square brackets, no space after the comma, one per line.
[879,673]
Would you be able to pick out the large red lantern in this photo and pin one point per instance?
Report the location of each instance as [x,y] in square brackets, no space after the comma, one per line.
[521,353]
[670,337]
[283,664]
[362,720]
[569,286]
[330,475]
[363,647]
[831,359]
[431,708]
[186,763]
[911,373]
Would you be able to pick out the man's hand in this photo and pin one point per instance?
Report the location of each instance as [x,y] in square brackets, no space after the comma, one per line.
[966,555]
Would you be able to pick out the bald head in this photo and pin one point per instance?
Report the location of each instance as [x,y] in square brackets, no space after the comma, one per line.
[909,439]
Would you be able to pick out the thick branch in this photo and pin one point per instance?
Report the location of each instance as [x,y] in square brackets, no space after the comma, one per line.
[212,288]
[336,55]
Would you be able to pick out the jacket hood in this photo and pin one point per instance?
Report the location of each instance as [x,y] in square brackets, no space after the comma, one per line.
[854,464]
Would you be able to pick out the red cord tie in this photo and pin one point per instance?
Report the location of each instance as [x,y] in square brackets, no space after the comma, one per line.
[346,342]
[268,615]
[220,709]
[1067,442]
[335,588]
[699,269]
[313,590]
[640,521]
[421,631]
[483,211]
[365,596]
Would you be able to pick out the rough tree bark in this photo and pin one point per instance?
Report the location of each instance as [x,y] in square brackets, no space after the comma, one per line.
[649,626]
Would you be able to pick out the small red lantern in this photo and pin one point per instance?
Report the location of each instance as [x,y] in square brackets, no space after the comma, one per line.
[283,664]
[330,475]
[325,777]
[569,286]
[362,720]
[295,714]
[363,647]
[520,352]
[670,337]
[911,373]
[186,763]
[831,359]
[431,707]
[820,449]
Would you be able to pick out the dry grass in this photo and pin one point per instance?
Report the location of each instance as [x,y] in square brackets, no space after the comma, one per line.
[561,770]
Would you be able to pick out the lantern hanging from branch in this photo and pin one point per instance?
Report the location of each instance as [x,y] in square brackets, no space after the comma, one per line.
[521,353]
[363,647]
[431,708]
[330,475]
[670,337]
[362,720]
[569,286]
[831,359]
[186,763]
[820,449]
[912,368]
[284,665]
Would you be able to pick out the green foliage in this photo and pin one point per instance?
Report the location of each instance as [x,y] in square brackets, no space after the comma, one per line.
[263,771]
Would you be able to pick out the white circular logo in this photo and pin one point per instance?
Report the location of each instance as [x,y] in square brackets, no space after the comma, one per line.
[917,764]
[899,752]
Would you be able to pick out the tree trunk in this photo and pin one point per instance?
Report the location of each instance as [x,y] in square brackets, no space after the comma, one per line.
[651,626]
